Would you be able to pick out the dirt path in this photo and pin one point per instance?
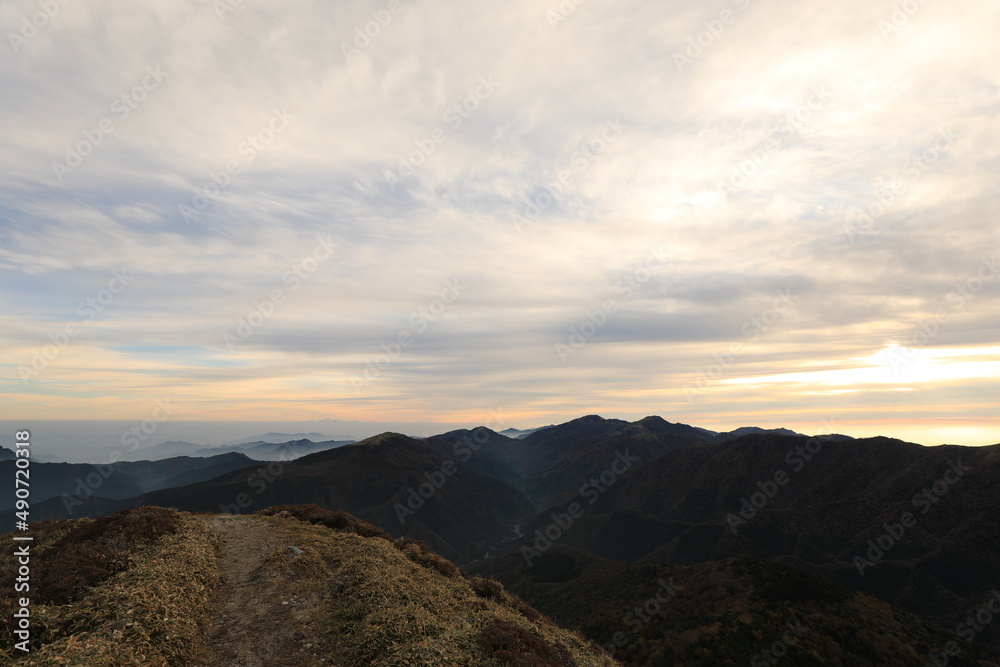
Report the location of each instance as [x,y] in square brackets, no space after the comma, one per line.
[254,621]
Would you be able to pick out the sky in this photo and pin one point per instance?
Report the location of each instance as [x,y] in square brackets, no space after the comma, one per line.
[726,213]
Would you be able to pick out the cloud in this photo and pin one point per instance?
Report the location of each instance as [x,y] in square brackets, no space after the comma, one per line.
[415,140]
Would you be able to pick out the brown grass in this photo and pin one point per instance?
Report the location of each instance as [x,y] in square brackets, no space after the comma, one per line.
[370,600]
[384,607]
[341,521]
[96,550]
[422,555]
[149,611]
[494,590]
[517,647]
[416,550]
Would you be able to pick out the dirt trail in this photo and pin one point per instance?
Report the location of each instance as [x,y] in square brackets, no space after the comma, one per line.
[255,621]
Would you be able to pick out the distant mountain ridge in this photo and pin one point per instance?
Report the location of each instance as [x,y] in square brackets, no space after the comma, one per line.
[522,433]
[525,476]
[68,484]
[748,430]
[394,481]
[166,449]
[260,450]
[276,438]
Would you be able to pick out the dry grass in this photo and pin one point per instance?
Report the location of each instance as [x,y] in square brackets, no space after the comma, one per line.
[382,608]
[96,550]
[341,521]
[369,599]
[517,647]
[150,612]
[338,520]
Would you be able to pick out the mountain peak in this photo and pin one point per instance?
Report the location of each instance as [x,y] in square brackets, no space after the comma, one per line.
[652,419]
[590,419]
[383,439]
[588,424]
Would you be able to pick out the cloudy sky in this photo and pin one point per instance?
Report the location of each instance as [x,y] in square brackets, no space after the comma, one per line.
[725,213]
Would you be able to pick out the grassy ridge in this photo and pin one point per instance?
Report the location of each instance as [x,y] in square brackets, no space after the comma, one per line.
[129,589]
[136,588]
[393,603]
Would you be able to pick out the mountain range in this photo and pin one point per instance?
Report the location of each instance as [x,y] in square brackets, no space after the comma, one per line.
[277,438]
[887,545]
[270,447]
[67,485]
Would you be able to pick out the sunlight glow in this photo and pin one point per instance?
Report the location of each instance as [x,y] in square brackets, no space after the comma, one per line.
[894,365]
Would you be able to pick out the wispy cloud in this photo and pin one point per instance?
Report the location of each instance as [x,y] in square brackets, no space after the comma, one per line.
[887,95]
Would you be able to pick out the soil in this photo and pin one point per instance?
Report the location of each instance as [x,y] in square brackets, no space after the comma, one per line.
[255,621]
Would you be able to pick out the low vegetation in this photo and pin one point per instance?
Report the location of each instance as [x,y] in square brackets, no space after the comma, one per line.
[136,588]
[132,588]
[725,613]
[393,603]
